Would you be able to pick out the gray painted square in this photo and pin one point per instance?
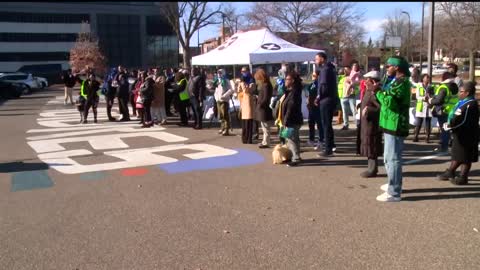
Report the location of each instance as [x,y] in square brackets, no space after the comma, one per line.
[30,180]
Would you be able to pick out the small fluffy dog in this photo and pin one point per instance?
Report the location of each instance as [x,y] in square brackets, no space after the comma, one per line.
[281,153]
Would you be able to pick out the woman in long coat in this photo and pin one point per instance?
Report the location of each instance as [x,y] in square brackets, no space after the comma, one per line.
[247,107]
[263,112]
[463,122]
[371,135]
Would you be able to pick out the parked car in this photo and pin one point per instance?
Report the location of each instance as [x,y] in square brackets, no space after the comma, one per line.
[11,90]
[28,79]
[52,72]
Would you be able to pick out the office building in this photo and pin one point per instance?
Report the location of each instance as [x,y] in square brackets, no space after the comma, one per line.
[133,34]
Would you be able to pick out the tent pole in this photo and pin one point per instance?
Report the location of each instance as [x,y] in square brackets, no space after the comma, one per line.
[251,69]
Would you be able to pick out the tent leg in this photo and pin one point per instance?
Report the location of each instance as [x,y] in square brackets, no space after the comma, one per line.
[251,69]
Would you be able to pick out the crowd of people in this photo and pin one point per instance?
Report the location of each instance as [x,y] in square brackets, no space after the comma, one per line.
[379,103]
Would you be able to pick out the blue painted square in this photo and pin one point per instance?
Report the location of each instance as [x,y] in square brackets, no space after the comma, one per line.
[92,176]
[30,180]
[242,158]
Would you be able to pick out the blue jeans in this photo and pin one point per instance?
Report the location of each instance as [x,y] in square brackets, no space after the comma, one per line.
[444,135]
[348,103]
[314,119]
[392,157]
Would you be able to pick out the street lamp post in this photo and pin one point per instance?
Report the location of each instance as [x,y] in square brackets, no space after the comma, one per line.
[421,45]
[408,37]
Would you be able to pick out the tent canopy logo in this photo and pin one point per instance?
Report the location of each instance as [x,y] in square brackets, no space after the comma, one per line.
[271,46]
[228,43]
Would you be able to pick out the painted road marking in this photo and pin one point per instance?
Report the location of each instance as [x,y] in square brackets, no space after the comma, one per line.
[418,160]
[135,172]
[102,142]
[243,157]
[29,180]
[62,162]
[120,129]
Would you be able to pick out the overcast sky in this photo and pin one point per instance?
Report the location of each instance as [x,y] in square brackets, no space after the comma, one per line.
[375,14]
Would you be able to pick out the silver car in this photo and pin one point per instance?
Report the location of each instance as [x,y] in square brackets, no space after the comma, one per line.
[28,80]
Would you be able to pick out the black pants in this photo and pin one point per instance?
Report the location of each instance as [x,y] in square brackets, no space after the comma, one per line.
[197,112]
[123,103]
[110,102]
[428,123]
[314,119]
[147,115]
[168,102]
[91,103]
[133,103]
[247,131]
[327,107]
[183,110]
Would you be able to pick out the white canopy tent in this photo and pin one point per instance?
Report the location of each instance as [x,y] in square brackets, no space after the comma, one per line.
[255,47]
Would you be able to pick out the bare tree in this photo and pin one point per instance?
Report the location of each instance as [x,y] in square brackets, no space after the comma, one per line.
[86,52]
[232,18]
[465,16]
[295,17]
[186,18]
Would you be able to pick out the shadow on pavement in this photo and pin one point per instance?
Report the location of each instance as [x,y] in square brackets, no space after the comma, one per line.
[21,167]
[441,197]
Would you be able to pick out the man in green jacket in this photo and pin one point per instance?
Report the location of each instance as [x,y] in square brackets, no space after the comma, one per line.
[394,98]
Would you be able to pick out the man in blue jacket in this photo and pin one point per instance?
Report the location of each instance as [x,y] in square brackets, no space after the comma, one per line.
[327,97]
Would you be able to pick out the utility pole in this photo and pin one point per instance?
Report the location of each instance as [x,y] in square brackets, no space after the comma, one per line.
[430,39]
[408,37]
[421,45]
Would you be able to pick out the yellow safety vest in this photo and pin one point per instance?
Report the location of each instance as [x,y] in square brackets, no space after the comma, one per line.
[82,92]
[421,90]
[184,94]
[450,100]
[341,82]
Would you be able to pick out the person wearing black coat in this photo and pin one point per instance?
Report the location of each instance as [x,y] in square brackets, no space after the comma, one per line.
[291,115]
[123,95]
[146,92]
[327,98]
[263,112]
[463,123]
[196,90]
[91,86]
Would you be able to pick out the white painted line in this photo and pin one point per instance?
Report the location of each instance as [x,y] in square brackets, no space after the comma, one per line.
[424,158]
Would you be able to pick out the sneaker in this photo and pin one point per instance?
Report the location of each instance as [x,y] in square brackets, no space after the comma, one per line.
[84,122]
[368,174]
[384,187]
[447,175]
[263,146]
[311,143]
[95,121]
[385,197]
[318,146]
[220,131]
[344,128]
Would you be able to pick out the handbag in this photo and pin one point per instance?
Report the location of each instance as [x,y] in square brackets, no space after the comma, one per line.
[287,132]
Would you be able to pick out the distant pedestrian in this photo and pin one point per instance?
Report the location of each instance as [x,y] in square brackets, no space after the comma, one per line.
[463,123]
[247,108]
[196,89]
[423,111]
[453,69]
[443,102]
[91,87]
[314,118]
[159,115]
[146,93]
[69,81]
[182,97]
[223,94]
[134,77]
[350,93]
[123,95]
